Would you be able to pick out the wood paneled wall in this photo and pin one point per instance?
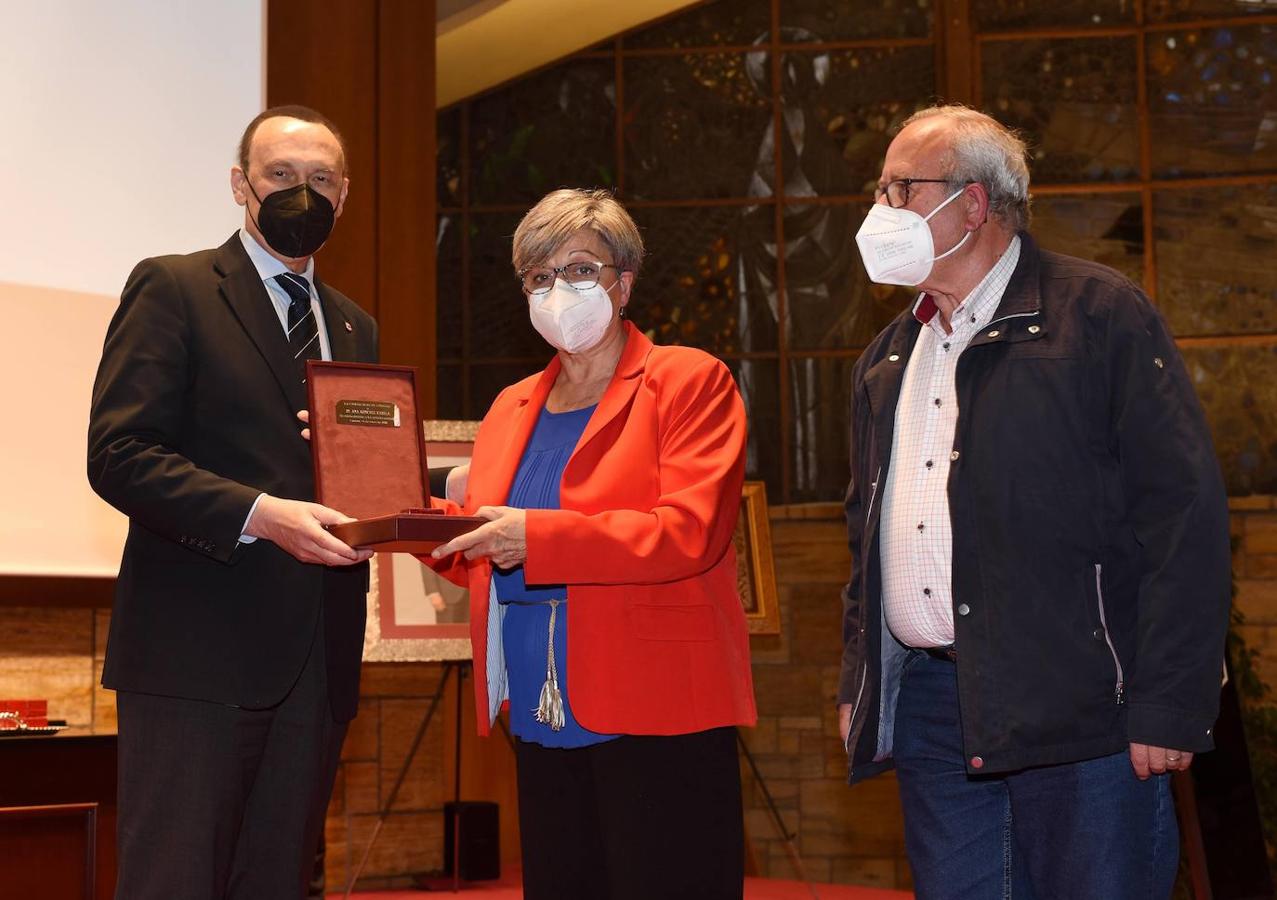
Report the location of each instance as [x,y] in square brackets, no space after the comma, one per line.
[370,67]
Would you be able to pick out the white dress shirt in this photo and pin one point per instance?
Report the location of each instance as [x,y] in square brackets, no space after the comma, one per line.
[268,267]
[916,535]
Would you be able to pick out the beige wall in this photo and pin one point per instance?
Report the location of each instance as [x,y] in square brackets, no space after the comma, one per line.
[54,523]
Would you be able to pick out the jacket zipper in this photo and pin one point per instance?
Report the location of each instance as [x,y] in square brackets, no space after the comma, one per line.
[864,667]
[872,495]
[1013,316]
[855,708]
[1119,692]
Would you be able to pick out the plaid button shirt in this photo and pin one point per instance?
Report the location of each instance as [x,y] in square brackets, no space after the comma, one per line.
[916,542]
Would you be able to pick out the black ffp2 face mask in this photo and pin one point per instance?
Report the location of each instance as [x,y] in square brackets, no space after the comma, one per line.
[295,221]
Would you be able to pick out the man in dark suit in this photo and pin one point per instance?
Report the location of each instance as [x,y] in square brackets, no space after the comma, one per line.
[238,623]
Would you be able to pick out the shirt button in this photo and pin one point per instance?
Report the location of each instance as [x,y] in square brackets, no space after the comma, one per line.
[945,345]
[921,526]
[977,762]
[953,457]
[927,591]
[973,317]
[937,401]
[963,609]
[930,463]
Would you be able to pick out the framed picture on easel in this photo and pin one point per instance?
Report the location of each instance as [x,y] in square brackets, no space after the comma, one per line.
[415,615]
[755,568]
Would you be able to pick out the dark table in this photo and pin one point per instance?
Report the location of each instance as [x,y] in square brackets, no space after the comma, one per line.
[57,817]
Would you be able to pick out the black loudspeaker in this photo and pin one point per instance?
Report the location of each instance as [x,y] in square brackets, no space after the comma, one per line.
[472,840]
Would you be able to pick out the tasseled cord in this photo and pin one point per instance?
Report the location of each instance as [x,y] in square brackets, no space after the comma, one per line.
[550,710]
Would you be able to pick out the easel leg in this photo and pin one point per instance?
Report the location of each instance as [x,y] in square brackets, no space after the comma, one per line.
[785,834]
[448,667]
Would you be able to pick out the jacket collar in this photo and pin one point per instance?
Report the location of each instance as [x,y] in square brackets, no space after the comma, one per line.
[1023,294]
[631,364]
[529,397]
[884,377]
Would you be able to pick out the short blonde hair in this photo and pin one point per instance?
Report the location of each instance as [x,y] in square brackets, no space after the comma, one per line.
[562,213]
[984,151]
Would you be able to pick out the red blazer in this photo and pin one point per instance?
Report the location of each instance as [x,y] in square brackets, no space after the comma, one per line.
[657,641]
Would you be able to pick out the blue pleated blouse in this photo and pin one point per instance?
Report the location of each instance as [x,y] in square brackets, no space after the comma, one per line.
[527,616]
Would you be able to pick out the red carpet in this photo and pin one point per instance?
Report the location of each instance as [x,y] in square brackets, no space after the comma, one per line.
[755,889]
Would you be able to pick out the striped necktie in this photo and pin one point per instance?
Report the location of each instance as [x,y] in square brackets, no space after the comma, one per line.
[303,330]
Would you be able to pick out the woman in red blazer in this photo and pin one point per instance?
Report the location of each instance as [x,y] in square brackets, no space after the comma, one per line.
[603,588]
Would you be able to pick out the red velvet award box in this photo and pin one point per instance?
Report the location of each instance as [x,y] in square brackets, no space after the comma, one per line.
[370,458]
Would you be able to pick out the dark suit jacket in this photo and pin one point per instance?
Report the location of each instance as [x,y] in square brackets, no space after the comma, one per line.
[193,416]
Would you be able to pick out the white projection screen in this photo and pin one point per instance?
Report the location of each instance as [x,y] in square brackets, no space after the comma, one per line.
[120,122]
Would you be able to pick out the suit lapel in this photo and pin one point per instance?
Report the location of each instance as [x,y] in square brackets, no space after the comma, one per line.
[625,381]
[242,288]
[341,334]
[492,477]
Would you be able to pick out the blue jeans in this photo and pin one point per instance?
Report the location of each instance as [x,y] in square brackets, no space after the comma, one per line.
[1087,830]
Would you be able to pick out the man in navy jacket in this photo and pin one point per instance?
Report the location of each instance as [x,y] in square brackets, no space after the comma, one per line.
[1034,625]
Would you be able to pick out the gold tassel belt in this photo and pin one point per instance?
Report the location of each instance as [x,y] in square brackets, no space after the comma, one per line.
[550,710]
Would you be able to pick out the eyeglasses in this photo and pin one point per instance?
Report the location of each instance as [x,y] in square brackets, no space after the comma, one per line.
[580,274]
[897,192]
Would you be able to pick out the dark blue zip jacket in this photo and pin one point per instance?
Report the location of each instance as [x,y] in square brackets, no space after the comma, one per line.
[1091,552]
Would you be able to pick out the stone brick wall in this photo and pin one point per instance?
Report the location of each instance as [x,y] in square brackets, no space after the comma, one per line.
[1254,526]
[854,835]
[843,834]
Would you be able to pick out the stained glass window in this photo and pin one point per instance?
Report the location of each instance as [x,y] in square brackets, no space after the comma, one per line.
[822,21]
[1184,10]
[759,384]
[714,24]
[1215,252]
[1212,100]
[677,107]
[709,279]
[820,429]
[499,325]
[449,306]
[998,15]
[1074,100]
[831,302]
[551,130]
[1238,388]
[1153,145]
[448,158]
[1104,228]
[842,108]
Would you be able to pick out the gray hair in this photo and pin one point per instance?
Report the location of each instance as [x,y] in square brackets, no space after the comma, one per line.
[984,151]
[562,213]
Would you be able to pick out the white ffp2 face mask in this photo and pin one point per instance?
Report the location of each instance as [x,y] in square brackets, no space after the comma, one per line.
[896,244]
[571,320]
